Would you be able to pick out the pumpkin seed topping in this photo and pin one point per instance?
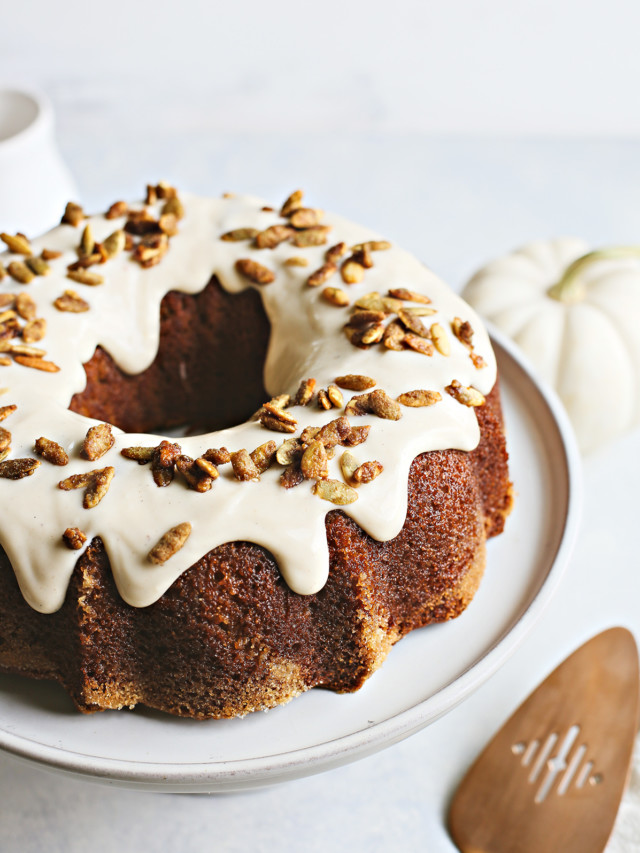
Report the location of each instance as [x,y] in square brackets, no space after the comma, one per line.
[239,234]
[314,236]
[5,438]
[334,253]
[273,236]
[85,277]
[314,463]
[244,468]
[169,543]
[367,472]
[96,484]
[463,331]
[196,476]
[73,214]
[288,451]
[254,271]
[16,469]
[440,339]
[208,467]
[413,324]
[348,465]
[263,456]
[5,411]
[51,451]
[335,396]
[293,202]
[115,243]
[20,272]
[50,255]
[117,209]
[25,306]
[372,246]
[323,400]
[335,296]
[336,492]
[74,538]
[304,394]
[17,243]
[408,295]
[418,344]
[98,440]
[174,205]
[351,272]
[305,217]
[468,396]
[355,382]
[322,274]
[38,265]
[37,363]
[72,302]
[419,398]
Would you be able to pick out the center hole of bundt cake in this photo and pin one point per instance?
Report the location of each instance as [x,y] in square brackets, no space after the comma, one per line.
[207,375]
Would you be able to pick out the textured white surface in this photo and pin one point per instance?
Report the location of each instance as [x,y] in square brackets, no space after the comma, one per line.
[626,836]
[456,203]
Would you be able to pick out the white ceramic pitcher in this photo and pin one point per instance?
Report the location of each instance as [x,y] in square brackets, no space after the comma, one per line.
[35,185]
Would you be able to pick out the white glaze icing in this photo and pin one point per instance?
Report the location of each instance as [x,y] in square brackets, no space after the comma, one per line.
[307,340]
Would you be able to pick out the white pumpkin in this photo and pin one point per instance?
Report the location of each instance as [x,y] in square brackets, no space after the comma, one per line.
[576,315]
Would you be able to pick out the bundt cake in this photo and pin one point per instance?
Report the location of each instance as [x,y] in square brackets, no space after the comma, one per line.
[263,552]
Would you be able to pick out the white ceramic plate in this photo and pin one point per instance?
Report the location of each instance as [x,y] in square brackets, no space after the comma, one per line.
[426,675]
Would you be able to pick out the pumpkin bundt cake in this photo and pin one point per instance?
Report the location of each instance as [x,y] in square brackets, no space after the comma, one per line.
[264,552]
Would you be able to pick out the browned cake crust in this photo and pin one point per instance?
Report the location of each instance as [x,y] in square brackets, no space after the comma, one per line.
[229,636]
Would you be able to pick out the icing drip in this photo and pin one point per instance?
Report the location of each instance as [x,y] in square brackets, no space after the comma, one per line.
[307,340]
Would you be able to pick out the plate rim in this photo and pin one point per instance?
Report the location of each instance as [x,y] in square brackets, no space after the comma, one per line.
[237,774]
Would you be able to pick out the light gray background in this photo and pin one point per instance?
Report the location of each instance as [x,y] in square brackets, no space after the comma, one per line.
[487,66]
[457,129]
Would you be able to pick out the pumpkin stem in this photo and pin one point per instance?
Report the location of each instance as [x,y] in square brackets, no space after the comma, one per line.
[569,288]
